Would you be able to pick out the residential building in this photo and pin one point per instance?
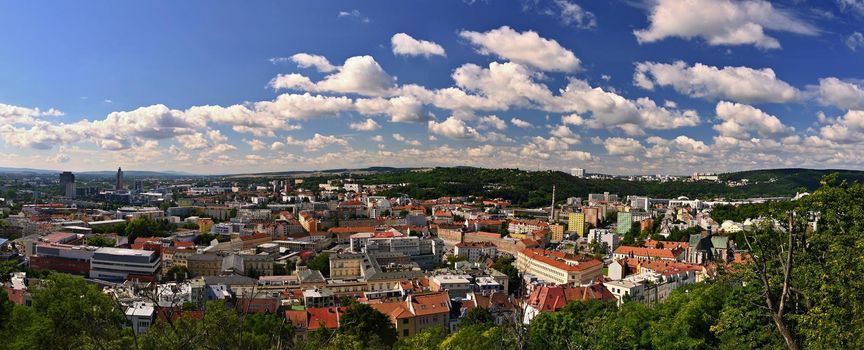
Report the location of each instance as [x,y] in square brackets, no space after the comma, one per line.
[140,316]
[457,286]
[557,231]
[346,265]
[576,223]
[625,222]
[475,251]
[417,312]
[557,267]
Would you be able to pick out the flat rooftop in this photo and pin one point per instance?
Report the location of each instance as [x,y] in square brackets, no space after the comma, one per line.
[124,251]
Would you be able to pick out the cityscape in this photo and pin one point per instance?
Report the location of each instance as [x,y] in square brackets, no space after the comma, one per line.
[432,175]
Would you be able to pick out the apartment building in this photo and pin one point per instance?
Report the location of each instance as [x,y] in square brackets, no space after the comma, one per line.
[557,267]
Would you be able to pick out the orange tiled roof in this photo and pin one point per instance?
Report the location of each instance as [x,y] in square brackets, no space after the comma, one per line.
[666,244]
[351,229]
[432,303]
[485,234]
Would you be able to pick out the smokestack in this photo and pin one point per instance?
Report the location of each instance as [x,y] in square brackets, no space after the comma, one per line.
[552,212]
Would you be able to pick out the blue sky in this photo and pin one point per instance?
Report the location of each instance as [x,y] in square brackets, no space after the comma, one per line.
[617,87]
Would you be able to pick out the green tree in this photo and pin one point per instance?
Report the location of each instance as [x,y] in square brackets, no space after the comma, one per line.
[145,227]
[428,339]
[100,241]
[575,326]
[206,238]
[177,273]
[74,313]
[477,337]
[320,262]
[7,267]
[362,321]
[477,316]
[452,259]
[504,264]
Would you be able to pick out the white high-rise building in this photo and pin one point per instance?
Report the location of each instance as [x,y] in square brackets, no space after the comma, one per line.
[577,172]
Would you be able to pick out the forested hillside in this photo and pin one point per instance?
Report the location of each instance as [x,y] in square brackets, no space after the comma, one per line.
[533,189]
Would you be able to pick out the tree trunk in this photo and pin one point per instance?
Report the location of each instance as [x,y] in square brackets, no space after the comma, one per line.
[787,335]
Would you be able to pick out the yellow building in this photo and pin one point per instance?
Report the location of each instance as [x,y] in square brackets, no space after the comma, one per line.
[346,266]
[557,231]
[204,225]
[576,223]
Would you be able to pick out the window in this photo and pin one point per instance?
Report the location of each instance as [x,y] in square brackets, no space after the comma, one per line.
[405,321]
[404,332]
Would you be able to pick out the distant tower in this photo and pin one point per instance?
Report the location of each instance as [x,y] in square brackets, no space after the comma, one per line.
[67,184]
[119,185]
[552,212]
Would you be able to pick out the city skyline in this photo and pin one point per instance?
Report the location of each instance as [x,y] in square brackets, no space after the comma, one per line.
[618,87]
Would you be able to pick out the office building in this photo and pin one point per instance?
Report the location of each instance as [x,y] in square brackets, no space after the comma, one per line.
[67,184]
[119,185]
[119,264]
[577,172]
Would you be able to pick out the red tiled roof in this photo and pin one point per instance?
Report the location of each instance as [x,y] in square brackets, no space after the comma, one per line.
[554,298]
[647,252]
[663,267]
[324,316]
[140,240]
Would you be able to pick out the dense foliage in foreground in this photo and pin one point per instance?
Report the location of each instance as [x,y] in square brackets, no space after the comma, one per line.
[801,289]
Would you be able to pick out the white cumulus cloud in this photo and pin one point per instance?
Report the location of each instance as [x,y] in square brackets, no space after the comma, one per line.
[742,84]
[721,22]
[527,48]
[405,45]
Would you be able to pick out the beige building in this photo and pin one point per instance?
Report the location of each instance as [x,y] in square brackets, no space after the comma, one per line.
[204,265]
[346,266]
[558,267]
[417,313]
